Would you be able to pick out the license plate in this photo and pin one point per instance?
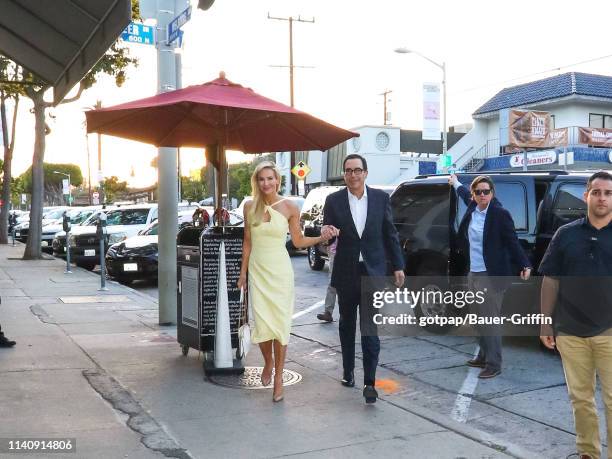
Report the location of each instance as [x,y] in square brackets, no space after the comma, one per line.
[130,267]
[44,243]
[17,234]
[90,253]
[64,249]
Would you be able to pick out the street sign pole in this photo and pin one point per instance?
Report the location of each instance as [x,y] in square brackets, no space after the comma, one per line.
[68,271]
[167,170]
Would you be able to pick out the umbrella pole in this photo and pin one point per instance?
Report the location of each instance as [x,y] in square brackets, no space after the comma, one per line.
[220,181]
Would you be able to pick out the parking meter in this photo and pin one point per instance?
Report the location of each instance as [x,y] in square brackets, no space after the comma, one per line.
[101,234]
[66,228]
[66,222]
[200,218]
[13,223]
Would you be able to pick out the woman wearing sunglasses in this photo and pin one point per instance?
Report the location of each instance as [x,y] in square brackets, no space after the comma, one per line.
[487,238]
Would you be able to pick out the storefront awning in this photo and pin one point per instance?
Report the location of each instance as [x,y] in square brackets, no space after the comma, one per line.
[60,40]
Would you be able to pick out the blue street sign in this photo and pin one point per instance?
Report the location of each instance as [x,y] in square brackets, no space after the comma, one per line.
[175,25]
[138,33]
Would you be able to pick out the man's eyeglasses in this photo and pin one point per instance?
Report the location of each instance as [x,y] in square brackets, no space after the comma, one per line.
[479,192]
[356,171]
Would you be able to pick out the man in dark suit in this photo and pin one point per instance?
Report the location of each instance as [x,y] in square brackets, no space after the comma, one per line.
[367,241]
[487,238]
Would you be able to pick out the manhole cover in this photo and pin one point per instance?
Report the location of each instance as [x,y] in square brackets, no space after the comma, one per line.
[250,379]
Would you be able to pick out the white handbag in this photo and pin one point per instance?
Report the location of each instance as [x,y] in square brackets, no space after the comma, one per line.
[244,331]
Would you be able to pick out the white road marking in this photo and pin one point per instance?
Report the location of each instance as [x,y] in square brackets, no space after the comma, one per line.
[464,398]
[318,304]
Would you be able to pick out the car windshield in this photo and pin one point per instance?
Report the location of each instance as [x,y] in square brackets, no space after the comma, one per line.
[91,220]
[54,214]
[127,217]
[80,217]
[151,230]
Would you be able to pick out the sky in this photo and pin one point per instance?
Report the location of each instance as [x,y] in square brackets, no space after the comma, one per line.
[486,45]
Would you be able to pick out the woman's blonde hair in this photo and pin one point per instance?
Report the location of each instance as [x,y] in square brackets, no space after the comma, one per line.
[256,212]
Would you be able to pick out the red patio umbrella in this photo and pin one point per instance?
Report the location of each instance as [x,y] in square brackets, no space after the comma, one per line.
[218,112]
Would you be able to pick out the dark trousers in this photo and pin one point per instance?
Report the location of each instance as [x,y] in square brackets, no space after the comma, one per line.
[349,301]
[489,336]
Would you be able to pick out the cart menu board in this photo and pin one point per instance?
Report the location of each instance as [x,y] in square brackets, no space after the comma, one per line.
[210,243]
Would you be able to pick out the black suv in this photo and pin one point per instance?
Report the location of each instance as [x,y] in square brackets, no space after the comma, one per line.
[427,213]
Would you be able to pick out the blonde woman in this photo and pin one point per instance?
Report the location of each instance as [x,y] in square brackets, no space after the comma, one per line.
[268,218]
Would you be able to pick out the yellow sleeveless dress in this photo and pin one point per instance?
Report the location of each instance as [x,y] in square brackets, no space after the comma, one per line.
[271,279]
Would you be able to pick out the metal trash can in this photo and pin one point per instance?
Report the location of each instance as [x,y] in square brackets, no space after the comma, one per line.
[188,291]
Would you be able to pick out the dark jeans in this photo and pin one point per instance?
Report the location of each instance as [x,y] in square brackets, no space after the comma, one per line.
[489,336]
[349,301]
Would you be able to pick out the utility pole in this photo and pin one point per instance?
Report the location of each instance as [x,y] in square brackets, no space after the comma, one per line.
[291,19]
[88,169]
[100,177]
[385,114]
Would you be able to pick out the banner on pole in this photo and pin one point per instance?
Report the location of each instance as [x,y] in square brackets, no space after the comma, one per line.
[431,111]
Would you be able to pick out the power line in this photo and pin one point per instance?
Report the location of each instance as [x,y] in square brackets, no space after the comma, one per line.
[555,69]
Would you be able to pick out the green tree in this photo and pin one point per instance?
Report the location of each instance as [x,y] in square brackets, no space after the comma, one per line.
[240,180]
[113,188]
[17,190]
[53,193]
[193,189]
[113,63]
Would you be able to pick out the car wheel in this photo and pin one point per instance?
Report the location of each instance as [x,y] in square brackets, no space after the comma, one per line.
[431,309]
[290,248]
[87,266]
[315,261]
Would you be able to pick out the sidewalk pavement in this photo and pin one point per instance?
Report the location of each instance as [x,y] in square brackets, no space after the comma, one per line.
[96,367]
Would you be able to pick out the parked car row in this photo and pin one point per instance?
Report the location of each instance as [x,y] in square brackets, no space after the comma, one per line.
[130,243]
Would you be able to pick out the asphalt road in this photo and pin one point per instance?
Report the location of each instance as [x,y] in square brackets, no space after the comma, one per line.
[527,404]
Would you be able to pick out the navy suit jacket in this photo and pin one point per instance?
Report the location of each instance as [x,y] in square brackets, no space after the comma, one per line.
[378,244]
[502,252]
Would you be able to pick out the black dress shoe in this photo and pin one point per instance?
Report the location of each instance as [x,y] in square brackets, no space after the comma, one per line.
[488,373]
[370,394]
[476,363]
[325,317]
[348,380]
[4,342]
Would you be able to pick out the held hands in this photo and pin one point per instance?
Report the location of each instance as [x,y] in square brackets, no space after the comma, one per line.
[525,273]
[328,232]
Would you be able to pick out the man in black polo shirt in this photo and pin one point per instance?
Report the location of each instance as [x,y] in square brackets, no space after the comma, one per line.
[577,293]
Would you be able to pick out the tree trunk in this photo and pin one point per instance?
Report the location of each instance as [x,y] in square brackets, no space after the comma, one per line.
[33,246]
[8,158]
[6,178]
